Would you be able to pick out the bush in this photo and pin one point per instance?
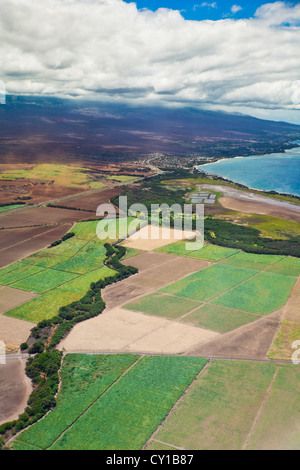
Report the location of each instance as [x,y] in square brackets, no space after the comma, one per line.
[37,347]
[24,346]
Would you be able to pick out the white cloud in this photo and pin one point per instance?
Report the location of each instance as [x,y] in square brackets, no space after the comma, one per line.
[109,49]
[235,8]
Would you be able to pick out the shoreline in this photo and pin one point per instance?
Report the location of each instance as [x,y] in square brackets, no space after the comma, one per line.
[242,185]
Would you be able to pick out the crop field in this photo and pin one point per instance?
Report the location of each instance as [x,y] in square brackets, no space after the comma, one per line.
[18,274]
[163,305]
[62,274]
[89,258]
[217,318]
[124,412]
[44,281]
[209,282]
[208,252]
[219,409]
[262,294]
[46,306]
[18,243]
[84,379]
[280,430]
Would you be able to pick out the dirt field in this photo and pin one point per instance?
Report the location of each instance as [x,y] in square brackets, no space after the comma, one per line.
[11,298]
[91,201]
[251,341]
[14,332]
[126,331]
[37,191]
[15,389]
[15,244]
[43,216]
[145,240]
[155,270]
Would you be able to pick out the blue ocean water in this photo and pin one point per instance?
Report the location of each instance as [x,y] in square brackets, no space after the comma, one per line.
[274,172]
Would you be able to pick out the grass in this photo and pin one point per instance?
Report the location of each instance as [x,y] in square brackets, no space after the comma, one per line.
[162,305]
[261,294]
[280,430]
[282,345]
[84,379]
[290,262]
[219,408]
[47,305]
[9,207]
[126,416]
[209,282]
[217,318]
[44,281]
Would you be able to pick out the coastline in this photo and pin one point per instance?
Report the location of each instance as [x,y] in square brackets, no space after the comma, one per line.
[246,186]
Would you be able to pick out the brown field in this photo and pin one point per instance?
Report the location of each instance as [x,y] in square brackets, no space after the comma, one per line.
[91,201]
[13,331]
[155,270]
[119,330]
[250,341]
[11,298]
[38,191]
[16,244]
[15,389]
[43,216]
[260,208]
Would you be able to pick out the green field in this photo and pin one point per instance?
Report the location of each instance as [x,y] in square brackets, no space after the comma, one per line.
[89,258]
[163,305]
[69,268]
[290,262]
[9,207]
[208,252]
[278,426]
[218,410]
[84,379]
[266,259]
[21,272]
[217,318]
[125,415]
[261,294]
[47,305]
[43,281]
[209,282]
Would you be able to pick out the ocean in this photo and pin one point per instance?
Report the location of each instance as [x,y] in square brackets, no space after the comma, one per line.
[274,172]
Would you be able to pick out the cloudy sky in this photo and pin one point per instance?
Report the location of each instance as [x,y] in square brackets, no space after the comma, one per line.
[241,56]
